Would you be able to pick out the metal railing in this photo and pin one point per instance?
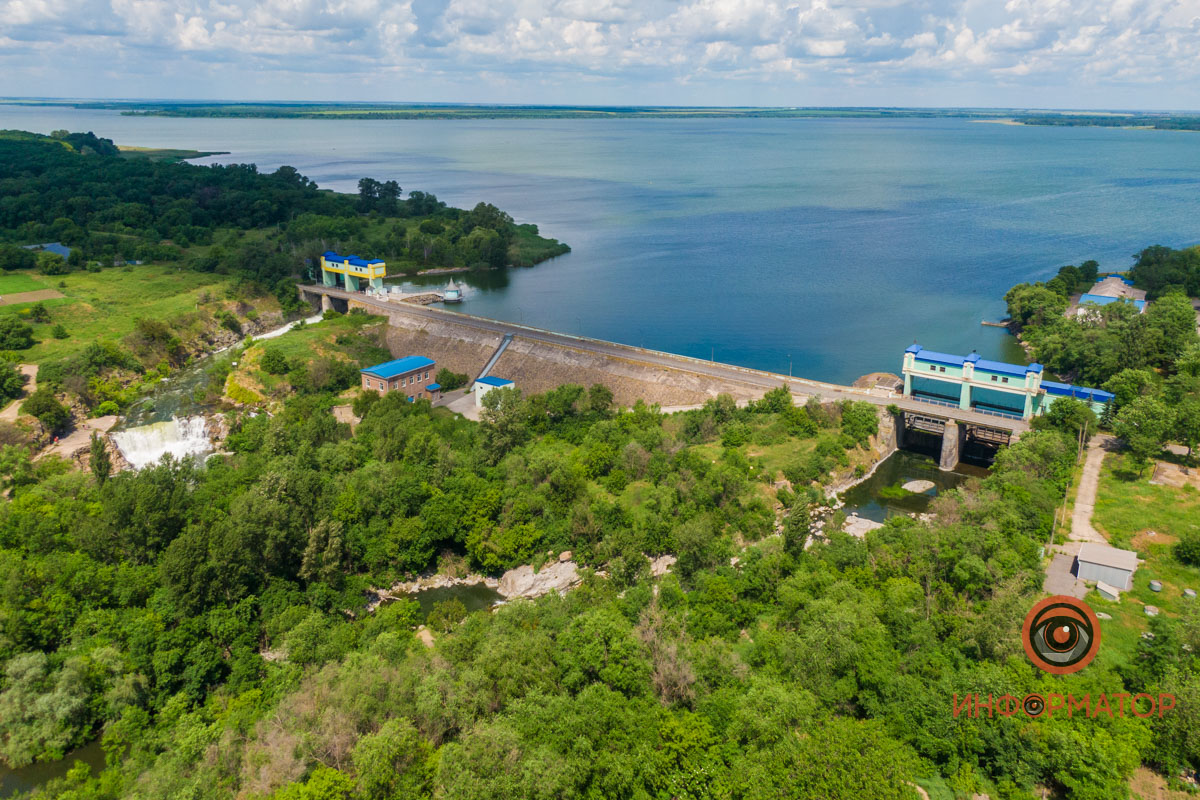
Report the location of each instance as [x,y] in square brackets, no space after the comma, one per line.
[975,409]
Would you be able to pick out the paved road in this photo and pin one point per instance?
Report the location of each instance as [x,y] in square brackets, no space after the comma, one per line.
[756,379]
[1085,498]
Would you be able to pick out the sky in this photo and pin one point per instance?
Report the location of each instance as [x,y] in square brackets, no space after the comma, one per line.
[1124,54]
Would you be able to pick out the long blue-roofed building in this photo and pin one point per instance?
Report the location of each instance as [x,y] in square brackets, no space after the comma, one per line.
[411,375]
[972,382]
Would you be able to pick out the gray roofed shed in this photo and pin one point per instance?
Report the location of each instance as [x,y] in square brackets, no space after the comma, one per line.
[1099,562]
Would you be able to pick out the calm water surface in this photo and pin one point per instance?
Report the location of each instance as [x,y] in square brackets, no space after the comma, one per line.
[827,244]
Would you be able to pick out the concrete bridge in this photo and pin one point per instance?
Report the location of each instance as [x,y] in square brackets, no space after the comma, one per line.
[956,425]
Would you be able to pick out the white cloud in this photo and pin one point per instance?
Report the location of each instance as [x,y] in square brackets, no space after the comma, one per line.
[617,43]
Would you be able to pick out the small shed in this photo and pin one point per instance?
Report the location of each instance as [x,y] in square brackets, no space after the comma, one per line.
[1099,562]
[486,384]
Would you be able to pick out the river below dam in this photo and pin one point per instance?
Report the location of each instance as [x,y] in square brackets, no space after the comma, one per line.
[825,246]
[171,420]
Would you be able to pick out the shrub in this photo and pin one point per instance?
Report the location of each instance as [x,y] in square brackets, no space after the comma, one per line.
[228,320]
[1187,549]
[273,362]
[106,408]
[12,382]
[449,381]
[39,313]
[45,406]
[59,331]
[15,334]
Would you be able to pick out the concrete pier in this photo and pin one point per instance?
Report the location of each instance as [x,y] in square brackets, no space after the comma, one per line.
[951,446]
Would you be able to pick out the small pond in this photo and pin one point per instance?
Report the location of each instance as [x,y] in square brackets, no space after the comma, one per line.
[472,595]
[880,496]
[24,779]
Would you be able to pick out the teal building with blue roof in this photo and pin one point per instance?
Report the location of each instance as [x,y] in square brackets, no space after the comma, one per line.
[351,272]
[975,383]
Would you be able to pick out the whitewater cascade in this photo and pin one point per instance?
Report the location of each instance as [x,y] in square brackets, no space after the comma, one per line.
[178,436]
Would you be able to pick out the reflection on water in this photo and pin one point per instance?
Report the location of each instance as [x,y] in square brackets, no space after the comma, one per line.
[25,779]
[880,496]
[472,595]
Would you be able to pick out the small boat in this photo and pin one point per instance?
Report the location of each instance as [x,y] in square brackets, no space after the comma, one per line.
[452,293]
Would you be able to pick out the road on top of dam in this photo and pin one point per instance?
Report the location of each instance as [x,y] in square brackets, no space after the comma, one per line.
[713,369]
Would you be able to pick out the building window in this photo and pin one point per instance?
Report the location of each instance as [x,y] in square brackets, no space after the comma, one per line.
[932,368]
[1004,380]
[941,369]
[404,382]
[426,376]
[994,379]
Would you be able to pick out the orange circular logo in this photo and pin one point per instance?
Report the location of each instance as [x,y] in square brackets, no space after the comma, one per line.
[1061,634]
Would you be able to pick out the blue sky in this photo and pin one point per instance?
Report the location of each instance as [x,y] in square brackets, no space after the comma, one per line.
[1024,53]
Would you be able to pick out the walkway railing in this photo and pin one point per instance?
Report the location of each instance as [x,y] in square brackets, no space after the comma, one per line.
[975,409]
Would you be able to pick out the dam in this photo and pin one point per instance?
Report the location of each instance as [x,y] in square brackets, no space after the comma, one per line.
[539,360]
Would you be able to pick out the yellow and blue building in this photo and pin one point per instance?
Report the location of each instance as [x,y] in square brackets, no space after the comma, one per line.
[975,383]
[351,272]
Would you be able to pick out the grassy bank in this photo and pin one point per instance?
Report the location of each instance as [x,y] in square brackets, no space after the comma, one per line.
[105,306]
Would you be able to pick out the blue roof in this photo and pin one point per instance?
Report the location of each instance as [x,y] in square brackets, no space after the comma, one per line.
[490,381]
[941,358]
[1079,392]
[1004,368]
[433,387]
[392,369]
[929,356]
[1103,300]
[58,248]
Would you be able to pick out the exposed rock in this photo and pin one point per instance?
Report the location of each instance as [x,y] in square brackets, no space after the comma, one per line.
[661,565]
[524,582]
[859,526]
[565,555]
[425,635]
[918,487]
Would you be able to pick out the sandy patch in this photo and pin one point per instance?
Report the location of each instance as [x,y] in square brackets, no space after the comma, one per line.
[30,297]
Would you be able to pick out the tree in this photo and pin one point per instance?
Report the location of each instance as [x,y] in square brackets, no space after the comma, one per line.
[99,460]
[45,406]
[1174,319]
[13,257]
[15,334]
[503,422]
[449,381]
[12,382]
[1187,424]
[393,762]
[273,362]
[1070,416]
[796,528]
[1143,425]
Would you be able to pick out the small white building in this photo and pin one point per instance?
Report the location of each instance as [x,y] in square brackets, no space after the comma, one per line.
[487,384]
[1099,562]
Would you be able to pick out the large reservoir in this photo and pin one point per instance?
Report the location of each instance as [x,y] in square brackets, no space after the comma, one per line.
[824,246]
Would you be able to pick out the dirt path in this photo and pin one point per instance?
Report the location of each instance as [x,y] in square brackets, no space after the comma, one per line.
[29,297]
[1085,498]
[79,438]
[10,412]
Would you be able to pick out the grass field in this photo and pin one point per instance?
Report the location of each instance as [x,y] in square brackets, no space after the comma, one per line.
[1128,508]
[1127,505]
[105,305]
[16,282]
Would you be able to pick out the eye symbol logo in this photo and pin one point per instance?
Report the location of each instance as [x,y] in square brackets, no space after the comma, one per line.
[1061,635]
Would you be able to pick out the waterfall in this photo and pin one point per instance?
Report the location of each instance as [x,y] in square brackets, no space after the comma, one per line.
[178,436]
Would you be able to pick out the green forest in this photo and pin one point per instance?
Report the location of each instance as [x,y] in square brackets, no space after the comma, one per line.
[215,625]
[210,623]
[107,205]
[1150,361]
[165,258]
